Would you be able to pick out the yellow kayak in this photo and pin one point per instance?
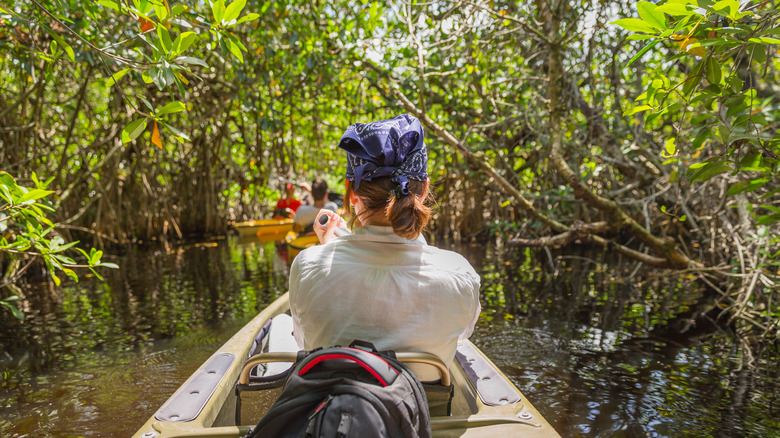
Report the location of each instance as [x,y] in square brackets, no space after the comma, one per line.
[296,244]
[265,227]
[486,404]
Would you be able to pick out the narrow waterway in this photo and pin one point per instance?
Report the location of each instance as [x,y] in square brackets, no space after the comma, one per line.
[96,359]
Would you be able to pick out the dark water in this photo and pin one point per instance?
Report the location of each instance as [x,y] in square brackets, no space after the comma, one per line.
[97,359]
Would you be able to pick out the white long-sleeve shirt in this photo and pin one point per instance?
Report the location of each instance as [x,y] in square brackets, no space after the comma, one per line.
[373,285]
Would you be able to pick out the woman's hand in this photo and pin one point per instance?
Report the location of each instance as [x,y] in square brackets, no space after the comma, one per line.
[326,232]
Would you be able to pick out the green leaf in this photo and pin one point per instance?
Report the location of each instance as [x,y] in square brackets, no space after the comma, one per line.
[235,50]
[14,310]
[218,10]
[698,118]
[669,148]
[65,46]
[751,136]
[100,277]
[752,161]
[183,42]
[265,7]
[771,208]
[634,25]
[642,52]
[34,195]
[165,39]
[248,17]
[72,274]
[709,170]
[117,76]
[768,219]
[233,10]
[176,132]
[191,60]
[732,7]
[747,186]
[133,130]
[95,256]
[638,109]
[109,4]
[650,15]
[676,9]
[713,72]
[172,107]
[108,265]
[764,40]
[161,11]
[55,278]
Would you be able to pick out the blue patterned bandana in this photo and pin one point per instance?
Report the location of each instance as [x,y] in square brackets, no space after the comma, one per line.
[392,147]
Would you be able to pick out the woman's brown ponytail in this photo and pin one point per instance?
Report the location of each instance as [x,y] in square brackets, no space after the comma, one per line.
[408,215]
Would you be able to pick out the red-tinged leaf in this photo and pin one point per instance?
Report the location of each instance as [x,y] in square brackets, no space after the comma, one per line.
[156,136]
[146,25]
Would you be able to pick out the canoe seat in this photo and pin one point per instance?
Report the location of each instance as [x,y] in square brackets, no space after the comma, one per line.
[290,356]
[439,393]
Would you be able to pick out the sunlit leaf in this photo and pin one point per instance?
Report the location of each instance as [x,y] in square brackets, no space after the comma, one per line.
[233,10]
[183,42]
[109,4]
[669,147]
[634,25]
[247,18]
[133,130]
[638,109]
[764,40]
[218,10]
[235,50]
[676,9]
[33,195]
[65,46]
[650,15]
[171,107]
[72,274]
[165,39]
[117,76]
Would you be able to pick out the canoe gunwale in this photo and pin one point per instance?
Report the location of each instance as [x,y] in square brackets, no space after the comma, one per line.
[263,227]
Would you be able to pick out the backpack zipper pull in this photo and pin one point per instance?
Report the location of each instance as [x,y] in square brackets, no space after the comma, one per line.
[343,429]
[310,425]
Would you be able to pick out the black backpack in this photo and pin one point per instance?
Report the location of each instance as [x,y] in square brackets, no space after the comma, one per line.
[348,392]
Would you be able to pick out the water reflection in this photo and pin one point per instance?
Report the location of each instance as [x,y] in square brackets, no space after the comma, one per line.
[593,353]
[97,359]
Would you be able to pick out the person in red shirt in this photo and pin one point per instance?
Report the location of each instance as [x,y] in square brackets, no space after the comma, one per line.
[287,206]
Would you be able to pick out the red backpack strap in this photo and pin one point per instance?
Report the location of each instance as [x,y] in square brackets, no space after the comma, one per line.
[384,373]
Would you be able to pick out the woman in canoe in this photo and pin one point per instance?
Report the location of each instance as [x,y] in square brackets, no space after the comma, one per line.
[384,283]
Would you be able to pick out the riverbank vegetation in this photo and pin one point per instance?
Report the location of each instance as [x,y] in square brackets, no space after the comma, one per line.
[648,131]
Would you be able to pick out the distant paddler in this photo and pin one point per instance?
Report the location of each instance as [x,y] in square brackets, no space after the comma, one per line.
[304,217]
[288,204]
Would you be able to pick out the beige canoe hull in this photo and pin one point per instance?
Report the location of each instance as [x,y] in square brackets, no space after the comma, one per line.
[216,417]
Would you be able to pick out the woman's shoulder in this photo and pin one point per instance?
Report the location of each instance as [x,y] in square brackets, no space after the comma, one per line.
[448,260]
